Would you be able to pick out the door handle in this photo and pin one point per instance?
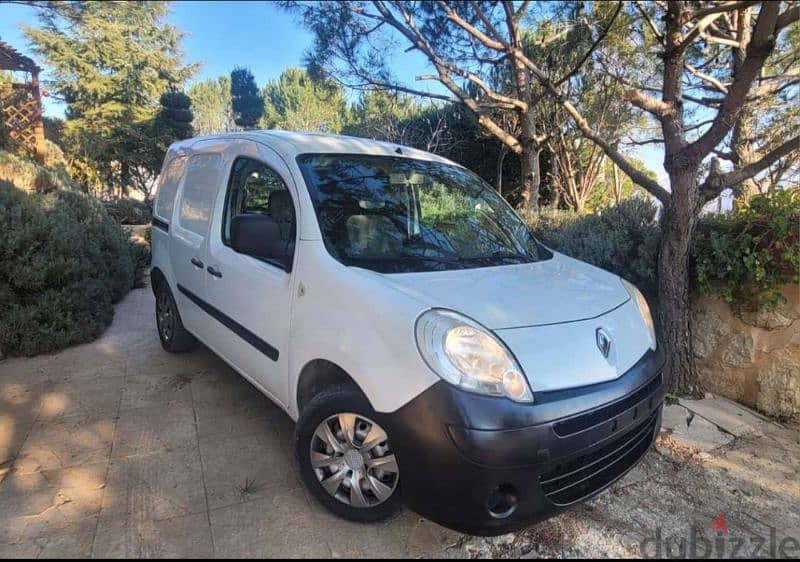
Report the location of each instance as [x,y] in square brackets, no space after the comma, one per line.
[214,272]
[197,263]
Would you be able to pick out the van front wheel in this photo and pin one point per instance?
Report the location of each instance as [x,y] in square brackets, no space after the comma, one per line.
[174,337]
[345,456]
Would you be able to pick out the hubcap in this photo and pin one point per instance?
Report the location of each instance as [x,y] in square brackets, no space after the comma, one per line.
[164,316]
[351,458]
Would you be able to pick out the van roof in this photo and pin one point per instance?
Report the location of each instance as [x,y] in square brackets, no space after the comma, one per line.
[290,144]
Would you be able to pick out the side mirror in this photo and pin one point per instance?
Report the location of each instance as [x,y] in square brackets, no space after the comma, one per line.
[260,236]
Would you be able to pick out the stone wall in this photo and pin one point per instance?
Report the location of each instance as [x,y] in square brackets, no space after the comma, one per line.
[750,357]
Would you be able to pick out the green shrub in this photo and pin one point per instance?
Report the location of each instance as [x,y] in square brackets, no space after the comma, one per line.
[742,256]
[745,255]
[141,261]
[29,175]
[129,211]
[622,239]
[65,261]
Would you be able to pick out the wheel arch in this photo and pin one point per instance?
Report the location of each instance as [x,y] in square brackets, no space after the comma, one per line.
[156,277]
[317,375]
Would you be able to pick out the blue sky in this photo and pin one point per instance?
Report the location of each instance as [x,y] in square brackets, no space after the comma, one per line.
[221,35]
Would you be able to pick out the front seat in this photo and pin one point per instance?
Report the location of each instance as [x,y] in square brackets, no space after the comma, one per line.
[282,211]
[373,235]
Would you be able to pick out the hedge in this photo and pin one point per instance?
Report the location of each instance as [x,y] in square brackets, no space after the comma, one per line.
[623,239]
[65,262]
[742,256]
[129,211]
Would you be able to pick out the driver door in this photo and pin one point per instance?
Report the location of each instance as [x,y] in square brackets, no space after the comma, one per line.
[254,295]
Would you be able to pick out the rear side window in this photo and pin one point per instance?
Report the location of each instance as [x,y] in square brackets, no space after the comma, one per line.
[255,188]
[168,187]
[199,191]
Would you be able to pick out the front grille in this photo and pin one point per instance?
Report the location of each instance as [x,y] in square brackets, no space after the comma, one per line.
[600,415]
[583,476]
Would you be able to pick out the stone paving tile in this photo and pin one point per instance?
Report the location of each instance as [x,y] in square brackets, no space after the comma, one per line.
[155,361]
[25,370]
[262,468]
[405,536]
[132,537]
[46,502]
[141,391]
[88,359]
[71,441]
[730,416]
[14,429]
[93,396]
[222,392]
[19,407]
[73,542]
[160,485]
[272,527]
[154,429]
[257,422]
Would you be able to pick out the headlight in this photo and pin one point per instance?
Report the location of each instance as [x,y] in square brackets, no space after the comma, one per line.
[469,356]
[644,310]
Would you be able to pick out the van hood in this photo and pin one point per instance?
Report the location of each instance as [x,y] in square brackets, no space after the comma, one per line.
[552,291]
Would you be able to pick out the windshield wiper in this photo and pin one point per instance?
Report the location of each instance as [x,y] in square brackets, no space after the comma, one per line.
[438,259]
[503,257]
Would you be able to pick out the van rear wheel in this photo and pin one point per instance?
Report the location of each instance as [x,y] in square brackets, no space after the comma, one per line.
[345,456]
[174,337]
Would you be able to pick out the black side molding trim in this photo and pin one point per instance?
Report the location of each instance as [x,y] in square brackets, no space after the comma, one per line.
[231,324]
[158,223]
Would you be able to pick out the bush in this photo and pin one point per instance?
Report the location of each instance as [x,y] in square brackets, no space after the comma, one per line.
[741,256]
[32,176]
[65,262]
[129,211]
[622,239]
[745,255]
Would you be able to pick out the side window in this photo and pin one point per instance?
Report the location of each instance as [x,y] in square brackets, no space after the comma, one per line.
[168,187]
[255,188]
[199,189]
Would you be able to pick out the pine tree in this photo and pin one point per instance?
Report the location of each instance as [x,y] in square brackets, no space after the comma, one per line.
[248,105]
[211,105]
[296,102]
[110,62]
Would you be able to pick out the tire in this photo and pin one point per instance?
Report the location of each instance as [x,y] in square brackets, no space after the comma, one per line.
[174,337]
[378,476]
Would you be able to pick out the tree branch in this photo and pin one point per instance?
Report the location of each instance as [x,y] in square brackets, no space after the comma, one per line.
[412,34]
[636,175]
[718,8]
[716,182]
[472,30]
[657,108]
[788,17]
[591,49]
[650,22]
[761,45]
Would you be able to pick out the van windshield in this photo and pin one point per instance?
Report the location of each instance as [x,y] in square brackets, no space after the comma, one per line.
[395,215]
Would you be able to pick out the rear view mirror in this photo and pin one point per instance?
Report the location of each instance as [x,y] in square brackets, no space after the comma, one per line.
[259,236]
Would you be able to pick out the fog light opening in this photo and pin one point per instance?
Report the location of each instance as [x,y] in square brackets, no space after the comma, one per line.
[502,501]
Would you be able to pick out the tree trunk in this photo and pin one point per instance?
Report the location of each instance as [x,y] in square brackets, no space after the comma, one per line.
[677,226]
[742,135]
[501,158]
[617,184]
[531,180]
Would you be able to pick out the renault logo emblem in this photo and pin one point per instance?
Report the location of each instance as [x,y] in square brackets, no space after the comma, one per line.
[603,342]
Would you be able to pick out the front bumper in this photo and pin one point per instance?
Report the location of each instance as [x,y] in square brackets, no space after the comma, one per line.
[458,452]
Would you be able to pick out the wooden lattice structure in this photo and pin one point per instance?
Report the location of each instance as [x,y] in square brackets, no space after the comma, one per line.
[21,103]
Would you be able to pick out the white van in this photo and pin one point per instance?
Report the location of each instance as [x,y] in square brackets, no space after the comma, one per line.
[431,351]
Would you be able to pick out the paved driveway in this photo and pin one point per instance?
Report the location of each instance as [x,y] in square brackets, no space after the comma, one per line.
[117,448]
